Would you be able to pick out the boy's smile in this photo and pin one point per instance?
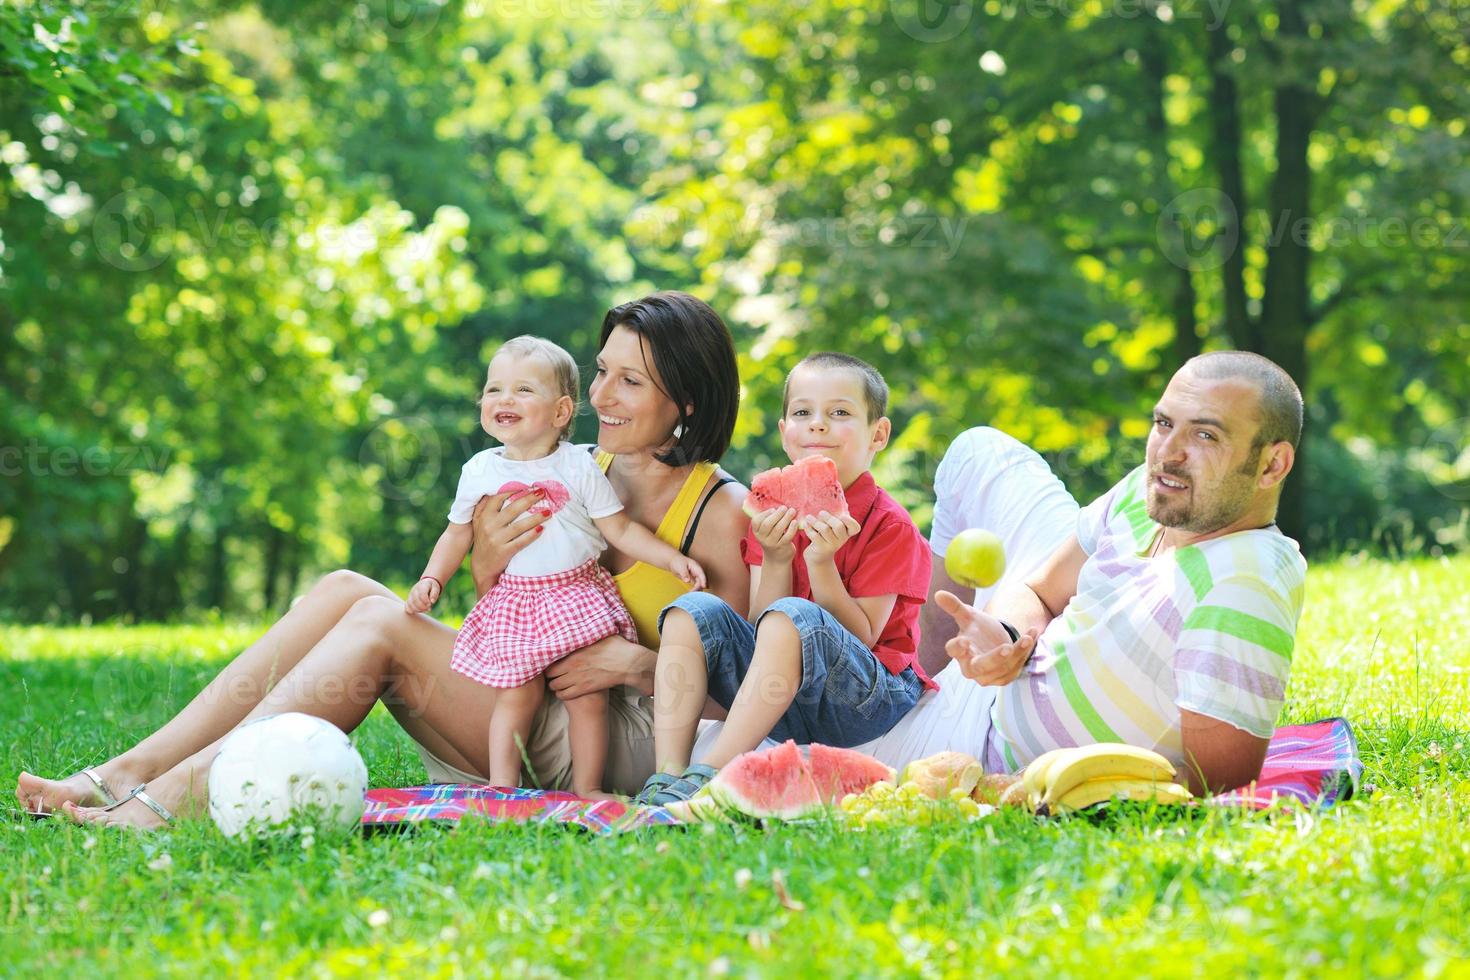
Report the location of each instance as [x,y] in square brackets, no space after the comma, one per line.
[827,415]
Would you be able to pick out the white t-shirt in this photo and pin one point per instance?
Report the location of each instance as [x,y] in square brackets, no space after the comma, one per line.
[577,492]
[989,480]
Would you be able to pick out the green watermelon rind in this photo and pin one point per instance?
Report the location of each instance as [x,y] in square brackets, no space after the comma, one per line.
[739,804]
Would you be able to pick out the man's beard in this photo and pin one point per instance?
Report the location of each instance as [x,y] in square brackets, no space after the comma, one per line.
[1231,498]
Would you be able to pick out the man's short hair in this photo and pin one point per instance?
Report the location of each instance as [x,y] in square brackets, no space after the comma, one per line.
[875,389]
[1281,399]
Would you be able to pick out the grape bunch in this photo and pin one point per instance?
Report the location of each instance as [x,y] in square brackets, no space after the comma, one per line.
[885,803]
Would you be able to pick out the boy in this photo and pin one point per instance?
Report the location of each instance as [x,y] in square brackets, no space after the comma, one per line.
[829,651]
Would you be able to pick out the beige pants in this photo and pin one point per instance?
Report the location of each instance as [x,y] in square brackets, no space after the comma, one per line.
[630,756]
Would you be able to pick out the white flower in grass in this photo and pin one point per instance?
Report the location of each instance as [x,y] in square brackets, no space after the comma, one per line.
[379,918]
[742,877]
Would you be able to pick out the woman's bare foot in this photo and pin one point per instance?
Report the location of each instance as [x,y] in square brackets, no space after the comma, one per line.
[131,813]
[599,796]
[39,795]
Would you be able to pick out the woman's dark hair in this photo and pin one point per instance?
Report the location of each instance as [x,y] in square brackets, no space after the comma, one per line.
[694,356]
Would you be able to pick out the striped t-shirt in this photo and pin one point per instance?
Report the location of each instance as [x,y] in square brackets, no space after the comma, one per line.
[1208,628]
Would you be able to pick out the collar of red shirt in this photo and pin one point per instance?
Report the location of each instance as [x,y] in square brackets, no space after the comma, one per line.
[861,494]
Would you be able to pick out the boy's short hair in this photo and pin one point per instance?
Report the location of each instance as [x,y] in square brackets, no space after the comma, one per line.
[563,368]
[875,389]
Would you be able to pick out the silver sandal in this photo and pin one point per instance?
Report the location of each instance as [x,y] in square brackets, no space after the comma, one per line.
[151,804]
[109,798]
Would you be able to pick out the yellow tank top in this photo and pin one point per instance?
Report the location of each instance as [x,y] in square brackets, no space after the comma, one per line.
[646,589]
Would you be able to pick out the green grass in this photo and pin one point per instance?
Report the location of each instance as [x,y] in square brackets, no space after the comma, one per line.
[1378,886]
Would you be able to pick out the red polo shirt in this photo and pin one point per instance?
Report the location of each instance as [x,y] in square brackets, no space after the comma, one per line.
[888,556]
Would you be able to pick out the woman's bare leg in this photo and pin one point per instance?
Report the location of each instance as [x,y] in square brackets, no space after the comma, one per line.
[587,730]
[374,652]
[510,729]
[221,705]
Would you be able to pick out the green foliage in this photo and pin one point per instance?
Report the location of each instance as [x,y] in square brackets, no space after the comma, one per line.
[253,258]
[1374,887]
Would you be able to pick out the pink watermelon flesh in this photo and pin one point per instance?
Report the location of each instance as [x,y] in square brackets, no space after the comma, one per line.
[809,487]
[837,772]
[774,784]
[783,784]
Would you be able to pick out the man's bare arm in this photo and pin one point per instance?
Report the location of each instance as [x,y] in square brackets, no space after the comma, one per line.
[936,628]
[1034,603]
[1218,756]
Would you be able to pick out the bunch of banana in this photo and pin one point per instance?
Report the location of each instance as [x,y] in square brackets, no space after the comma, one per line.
[1065,780]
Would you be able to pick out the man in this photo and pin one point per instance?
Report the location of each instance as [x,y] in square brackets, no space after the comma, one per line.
[1168,618]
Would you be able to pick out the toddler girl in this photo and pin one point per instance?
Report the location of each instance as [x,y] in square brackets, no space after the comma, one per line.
[553,597]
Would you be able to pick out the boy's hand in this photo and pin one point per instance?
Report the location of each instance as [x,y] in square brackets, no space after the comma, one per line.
[828,532]
[688,569]
[775,530]
[421,597]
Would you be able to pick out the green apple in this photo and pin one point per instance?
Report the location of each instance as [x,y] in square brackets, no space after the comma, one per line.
[975,558]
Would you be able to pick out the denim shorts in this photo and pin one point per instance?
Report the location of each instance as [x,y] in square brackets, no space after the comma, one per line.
[846,696]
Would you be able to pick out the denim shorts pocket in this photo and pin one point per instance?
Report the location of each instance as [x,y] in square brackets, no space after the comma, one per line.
[891,695]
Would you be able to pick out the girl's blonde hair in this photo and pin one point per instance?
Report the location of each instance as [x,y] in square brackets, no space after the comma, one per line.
[563,368]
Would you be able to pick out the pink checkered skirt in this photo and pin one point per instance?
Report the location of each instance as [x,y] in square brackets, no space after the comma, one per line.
[527,622]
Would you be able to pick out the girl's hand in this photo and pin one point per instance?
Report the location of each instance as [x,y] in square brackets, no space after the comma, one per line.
[982,646]
[828,532]
[603,665]
[688,569]
[421,597]
[502,530]
[775,530]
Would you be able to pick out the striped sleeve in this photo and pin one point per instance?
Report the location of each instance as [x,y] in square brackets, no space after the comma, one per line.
[1092,520]
[1234,653]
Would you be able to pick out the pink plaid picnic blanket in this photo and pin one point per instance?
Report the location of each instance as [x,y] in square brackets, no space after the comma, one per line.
[1315,764]
[1312,764]
[449,802]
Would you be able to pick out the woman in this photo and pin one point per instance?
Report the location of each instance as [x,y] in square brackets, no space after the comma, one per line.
[666,392]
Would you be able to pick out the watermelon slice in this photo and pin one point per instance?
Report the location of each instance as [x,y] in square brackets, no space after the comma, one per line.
[809,486]
[784,784]
[838,772]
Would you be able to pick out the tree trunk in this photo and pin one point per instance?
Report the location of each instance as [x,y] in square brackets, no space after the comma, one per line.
[275,542]
[218,571]
[1285,310]
[1225,149]
[1154,60]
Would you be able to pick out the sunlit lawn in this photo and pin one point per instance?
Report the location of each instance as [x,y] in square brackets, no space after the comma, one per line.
[1380,885]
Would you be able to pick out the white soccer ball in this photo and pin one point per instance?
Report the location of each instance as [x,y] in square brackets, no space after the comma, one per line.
[284,773]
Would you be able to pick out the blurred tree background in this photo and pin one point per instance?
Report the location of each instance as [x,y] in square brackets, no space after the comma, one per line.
[253,257]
